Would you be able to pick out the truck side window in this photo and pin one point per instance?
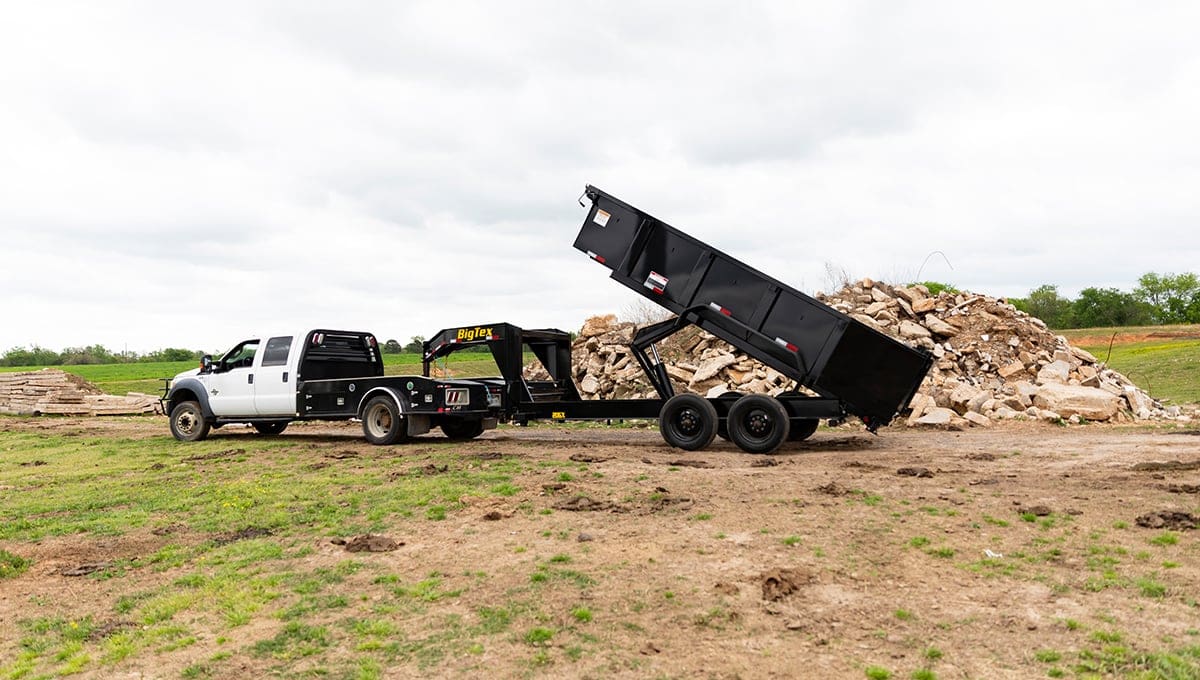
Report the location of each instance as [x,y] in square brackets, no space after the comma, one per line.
[276,352]
[241,356]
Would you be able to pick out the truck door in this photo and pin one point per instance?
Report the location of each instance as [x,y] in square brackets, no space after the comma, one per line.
[275,381]
[231,385]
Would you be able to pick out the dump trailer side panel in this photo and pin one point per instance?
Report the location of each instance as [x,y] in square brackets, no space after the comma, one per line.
[821,348]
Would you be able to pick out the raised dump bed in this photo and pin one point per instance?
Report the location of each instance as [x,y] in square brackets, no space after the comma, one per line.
[870,373]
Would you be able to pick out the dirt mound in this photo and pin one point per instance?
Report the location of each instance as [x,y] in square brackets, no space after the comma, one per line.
[991,361]
[51,391]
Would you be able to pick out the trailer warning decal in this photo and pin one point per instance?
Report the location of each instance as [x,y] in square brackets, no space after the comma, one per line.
[656,282]
[601,218]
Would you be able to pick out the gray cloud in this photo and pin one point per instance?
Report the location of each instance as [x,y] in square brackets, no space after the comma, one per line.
[405,167]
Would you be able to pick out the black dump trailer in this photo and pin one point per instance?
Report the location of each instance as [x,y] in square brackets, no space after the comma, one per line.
[873,375]
[854,369]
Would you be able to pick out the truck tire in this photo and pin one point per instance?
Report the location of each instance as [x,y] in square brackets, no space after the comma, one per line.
[688,422]
[758,423]
[802,428]
[383,423]
[270,429]
[462,429]
[188,423]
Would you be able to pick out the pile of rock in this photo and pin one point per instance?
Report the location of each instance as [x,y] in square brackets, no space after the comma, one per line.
[604,366]
[51,391]
[991,361]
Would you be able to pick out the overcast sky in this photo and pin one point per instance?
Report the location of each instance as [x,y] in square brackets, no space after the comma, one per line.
[191,174]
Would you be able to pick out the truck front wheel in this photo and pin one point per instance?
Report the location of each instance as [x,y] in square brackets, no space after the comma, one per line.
[188,423]
[383,423]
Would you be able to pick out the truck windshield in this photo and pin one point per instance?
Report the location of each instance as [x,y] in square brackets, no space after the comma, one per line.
[241,356]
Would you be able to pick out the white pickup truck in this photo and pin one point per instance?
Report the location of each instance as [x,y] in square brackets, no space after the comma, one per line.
[270,381]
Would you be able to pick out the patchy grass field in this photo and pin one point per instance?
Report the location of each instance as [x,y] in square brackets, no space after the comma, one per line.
[1014,552]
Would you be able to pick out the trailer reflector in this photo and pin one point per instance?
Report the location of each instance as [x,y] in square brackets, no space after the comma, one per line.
[596,256]
[786,345]
[718,308]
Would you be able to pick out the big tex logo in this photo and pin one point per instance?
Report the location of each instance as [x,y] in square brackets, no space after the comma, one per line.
[476,333]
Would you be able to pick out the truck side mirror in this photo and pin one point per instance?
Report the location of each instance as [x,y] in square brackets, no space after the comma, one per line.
[206,363]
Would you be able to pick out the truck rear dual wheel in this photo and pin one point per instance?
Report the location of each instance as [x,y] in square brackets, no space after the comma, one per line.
[270,429]
[462,430]
[188,423]
[688,422]
[758,423]
[383,423]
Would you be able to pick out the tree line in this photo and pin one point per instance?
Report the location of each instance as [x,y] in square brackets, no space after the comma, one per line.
[1158,299]
[94,354]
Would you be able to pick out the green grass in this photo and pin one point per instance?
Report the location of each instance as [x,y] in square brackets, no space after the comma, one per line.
[1167,366]
[88,488]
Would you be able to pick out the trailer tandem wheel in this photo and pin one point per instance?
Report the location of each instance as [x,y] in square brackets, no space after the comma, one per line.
[688,422]
[802,428]
[723,424]
[758,423]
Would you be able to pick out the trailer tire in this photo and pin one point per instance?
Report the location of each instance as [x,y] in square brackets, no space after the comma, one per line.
[270,429]
[802,428]
[688,422]
[188,423]
[383,423]
[462,429]
[723,424]
[758,423]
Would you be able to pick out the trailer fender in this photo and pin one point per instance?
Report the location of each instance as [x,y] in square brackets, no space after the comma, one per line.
[195,388]
[417,423]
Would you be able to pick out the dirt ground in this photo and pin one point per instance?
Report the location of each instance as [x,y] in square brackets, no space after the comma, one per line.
[1017,551]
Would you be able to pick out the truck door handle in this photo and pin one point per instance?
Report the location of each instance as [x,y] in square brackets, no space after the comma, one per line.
[250,379]
[285,376]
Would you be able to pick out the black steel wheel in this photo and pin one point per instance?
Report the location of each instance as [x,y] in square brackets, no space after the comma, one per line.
[758,423]
[803,428]
[722,424]
[270,428]
[383,423]
[188,423]
[688,422]
[462,429]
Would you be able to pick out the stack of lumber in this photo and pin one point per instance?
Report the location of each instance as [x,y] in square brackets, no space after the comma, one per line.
[51,391]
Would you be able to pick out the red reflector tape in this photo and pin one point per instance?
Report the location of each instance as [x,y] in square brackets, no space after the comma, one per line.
[596,257]
[657,290]
[786,345]
[718,308]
